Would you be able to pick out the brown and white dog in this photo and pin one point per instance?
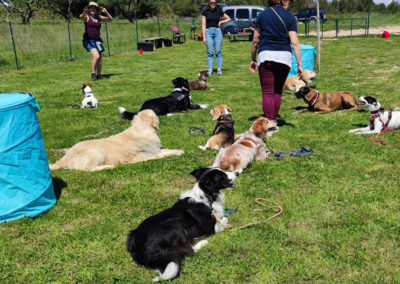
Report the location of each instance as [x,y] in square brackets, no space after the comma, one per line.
[140,142]
[89,101]
[323,102]
[200,83]
[294,83]
[224,132]
[250,146]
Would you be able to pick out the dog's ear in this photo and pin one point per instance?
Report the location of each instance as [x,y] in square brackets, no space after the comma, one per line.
[83,86]
[90,85]
[228,108]
[197,173]
[174,82]
[155,122]
[260,127]
[215,114]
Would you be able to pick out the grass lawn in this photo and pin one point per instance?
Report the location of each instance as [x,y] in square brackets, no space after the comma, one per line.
[341,205]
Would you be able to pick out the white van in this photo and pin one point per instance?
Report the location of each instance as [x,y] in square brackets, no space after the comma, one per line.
[243,14]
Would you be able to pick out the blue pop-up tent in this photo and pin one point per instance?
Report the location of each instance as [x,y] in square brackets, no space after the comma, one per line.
[307,59]
[26,187]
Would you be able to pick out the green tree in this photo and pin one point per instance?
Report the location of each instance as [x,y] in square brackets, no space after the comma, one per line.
[26,9]
[134,9]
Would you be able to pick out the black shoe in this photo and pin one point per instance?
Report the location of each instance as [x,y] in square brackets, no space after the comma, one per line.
[94,77]
[100,77]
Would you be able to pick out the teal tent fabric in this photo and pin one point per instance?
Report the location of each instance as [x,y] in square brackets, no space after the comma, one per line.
[307,59]
[26,187]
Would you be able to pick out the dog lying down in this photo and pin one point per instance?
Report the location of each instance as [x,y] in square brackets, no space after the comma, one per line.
[140,142]
[294,83]
[178,101]
[162,241]
[250,146]
[224,132]
[323,102]
[200,83]
[379,119]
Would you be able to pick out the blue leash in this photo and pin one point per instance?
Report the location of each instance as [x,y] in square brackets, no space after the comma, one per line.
[303,151]
[194,129]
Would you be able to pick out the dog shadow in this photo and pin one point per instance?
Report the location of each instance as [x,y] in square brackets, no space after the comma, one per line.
[280,121]
[358,125]
[299,107]
[58,185]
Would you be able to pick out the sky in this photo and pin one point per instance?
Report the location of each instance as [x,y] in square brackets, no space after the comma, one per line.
[386,2]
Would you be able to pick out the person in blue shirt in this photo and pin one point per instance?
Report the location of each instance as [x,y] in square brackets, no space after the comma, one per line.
[275,30]
[211,20]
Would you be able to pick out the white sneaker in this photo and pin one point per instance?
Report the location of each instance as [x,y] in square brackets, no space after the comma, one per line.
[209,72]
[219,71]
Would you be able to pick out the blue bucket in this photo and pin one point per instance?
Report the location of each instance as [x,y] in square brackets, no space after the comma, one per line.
[307,59]
[26,187]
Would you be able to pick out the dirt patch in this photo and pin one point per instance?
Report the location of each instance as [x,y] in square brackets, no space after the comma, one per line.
[392,29]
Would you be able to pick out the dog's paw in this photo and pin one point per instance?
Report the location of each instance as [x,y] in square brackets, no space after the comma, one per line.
[170,114]
[199,245]
[179,152]
[202,147]
[203,106]
[296,112]
[121,110]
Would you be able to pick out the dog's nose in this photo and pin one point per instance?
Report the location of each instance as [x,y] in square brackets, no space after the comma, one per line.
[237,173]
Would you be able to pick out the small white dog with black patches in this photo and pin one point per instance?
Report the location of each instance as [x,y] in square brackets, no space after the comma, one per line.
[380,118]
[89,101]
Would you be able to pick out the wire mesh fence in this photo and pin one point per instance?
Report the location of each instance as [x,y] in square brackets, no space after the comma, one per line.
[336,27]
[46,42]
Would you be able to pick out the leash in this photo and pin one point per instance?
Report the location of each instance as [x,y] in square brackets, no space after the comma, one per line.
[385,129]
[303,151]
[260,201]
[193,129]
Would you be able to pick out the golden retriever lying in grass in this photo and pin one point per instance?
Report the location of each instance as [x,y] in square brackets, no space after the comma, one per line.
[140,142]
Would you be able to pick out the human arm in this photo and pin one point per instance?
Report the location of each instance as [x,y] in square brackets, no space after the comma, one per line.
[225,20]
[107,18]
[254,48]
[84,16]
[297,52]
[203,28]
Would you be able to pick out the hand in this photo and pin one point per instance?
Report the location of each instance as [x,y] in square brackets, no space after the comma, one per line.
[253,67]
[103,10]
[300,72]
[86,9]
[204,40]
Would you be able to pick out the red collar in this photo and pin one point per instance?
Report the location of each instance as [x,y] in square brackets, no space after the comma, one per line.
[314,99]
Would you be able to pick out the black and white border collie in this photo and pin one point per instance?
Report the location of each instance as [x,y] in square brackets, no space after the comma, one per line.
[178,101]
[162,241]
[379,119]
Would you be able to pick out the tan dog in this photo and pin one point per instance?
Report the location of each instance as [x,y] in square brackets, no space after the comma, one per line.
[294,83]
[200,83]
[250,146]
[224,130]
[322,102]
[140,142]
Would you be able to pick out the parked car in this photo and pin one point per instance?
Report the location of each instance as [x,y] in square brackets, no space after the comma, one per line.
[310,14]
[242,15]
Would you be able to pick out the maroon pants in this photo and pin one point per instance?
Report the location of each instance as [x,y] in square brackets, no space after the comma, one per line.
[272,78]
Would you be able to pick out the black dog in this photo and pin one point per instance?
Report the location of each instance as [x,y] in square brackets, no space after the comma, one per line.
[162,241]
[178,101]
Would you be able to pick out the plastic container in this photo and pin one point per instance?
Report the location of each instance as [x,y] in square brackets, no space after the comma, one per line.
[26,187]
[145,46]
[307,58]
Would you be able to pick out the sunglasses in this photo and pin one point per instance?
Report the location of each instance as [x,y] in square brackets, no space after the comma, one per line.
[213,3]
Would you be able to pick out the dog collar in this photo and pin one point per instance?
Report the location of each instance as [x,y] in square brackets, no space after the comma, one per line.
[222,116]
[184,89]
[314,99]
[378,111]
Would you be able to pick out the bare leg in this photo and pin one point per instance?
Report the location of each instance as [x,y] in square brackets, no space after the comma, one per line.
[96,57]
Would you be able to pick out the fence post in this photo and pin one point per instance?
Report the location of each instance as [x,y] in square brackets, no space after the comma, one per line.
[159,28]
[108,43]
[177,24]
[351,26]
[69,40]
[13,44]
[337,27]
[368,24]
[137,32]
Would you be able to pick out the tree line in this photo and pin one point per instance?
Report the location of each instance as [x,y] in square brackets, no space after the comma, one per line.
[139,9]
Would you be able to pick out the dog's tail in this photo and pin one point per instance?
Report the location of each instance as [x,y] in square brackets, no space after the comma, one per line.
[126,114]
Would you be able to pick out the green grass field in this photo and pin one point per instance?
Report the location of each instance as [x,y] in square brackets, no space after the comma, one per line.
[340,220]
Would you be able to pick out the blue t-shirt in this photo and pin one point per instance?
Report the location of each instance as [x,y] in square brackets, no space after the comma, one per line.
[273,33]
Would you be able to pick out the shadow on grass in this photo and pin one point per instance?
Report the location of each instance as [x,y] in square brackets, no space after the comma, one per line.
[280,121]
[58,185]
[111,74]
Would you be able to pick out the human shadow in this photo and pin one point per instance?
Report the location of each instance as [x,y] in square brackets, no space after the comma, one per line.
[280,121]
[111,74]
[58,185]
